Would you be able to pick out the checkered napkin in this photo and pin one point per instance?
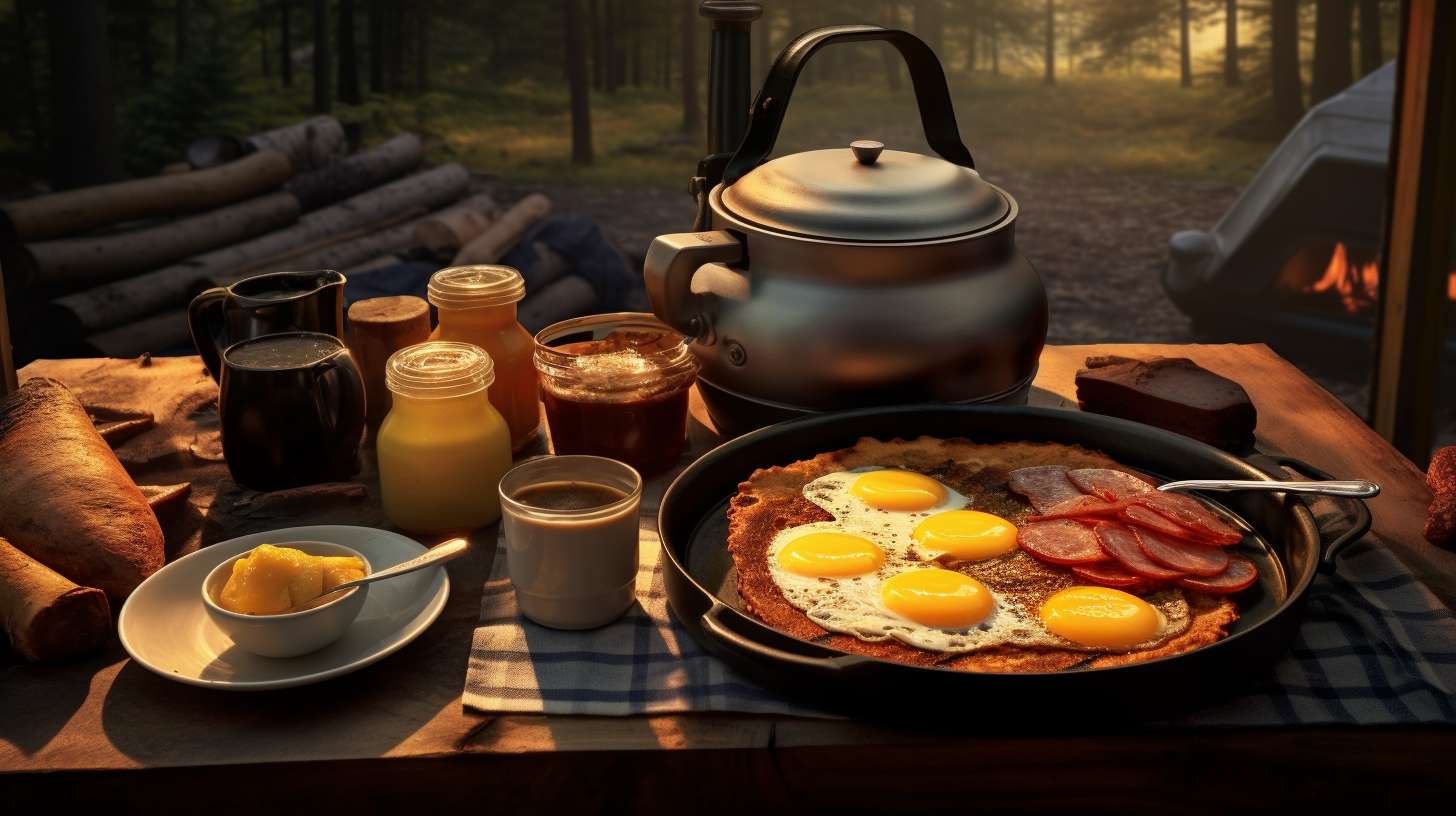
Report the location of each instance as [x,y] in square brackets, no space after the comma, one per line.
[1376,648]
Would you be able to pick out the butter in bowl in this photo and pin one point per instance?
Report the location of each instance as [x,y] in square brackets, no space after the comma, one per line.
[252,596]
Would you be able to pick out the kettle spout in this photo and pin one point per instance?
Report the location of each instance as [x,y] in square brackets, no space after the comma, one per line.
[672,262]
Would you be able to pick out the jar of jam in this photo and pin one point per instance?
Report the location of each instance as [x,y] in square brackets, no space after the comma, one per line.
[443,447]
[616,385]
[477,305]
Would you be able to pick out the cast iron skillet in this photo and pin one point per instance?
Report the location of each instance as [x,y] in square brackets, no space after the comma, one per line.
[1281,538]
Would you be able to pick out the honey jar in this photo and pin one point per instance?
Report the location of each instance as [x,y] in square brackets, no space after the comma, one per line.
[477,304]
[443,447]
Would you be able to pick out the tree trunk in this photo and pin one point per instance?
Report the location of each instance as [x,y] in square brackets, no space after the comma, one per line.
[84,149]
[354,174]
[323,99]
[146,56]
[1051,43]
[1287,92]
[576,80]
[973,38]
[376,46]
[76,211]
[308,144]
[761,57]
[595,14]
[1332,70]
[1231,43]
[995,48]
[929,23]
[667,44]
[73,263]
[132,299]
[635,51]
[692,118]
[348,56]
[265,65]
[1185,58]
[1370,56]
[609,45]
[498,239]
[422,46]
[285,41]
[180,36]
[28,87]
[394,47]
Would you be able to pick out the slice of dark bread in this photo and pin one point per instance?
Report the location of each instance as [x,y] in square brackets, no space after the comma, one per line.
[1173,393]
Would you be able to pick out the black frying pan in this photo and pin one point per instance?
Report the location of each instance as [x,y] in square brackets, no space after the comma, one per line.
[1281,537]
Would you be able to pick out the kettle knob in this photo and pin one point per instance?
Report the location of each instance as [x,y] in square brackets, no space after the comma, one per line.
[866,151]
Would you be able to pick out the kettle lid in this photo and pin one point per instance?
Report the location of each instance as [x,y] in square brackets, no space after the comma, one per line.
[865,193]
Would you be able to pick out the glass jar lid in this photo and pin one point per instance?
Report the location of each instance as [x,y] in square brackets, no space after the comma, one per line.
[613,357]
[476,287]
[439,369]
[865,193]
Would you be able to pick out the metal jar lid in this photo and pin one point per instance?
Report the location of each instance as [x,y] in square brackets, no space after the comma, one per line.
[476,287]
[865,193]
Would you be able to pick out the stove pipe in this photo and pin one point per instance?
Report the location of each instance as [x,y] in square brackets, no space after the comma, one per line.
[730,83]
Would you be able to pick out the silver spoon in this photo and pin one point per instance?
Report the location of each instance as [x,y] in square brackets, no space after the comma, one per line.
[1349,489]
[438,554]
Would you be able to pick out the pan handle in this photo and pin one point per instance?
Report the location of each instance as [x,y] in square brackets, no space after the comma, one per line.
[717,628]
[1358,527]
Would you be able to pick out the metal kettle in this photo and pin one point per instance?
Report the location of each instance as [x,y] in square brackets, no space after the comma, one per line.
[851,276]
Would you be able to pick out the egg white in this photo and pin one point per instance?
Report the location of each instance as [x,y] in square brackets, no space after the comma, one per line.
[852,605]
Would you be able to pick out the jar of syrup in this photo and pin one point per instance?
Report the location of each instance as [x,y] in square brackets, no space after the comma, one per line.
[477,305]
[616,385]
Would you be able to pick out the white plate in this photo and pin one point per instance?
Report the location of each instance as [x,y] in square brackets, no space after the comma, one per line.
[165,629]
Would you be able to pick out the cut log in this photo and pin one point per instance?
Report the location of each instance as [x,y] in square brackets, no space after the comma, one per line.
[155,333]
[378,327]
[490,246]
[445,233]
[134,299]
[341,249]
[568,297]
[75,211]
[550,265]
[362,171]
[71,263]
[373,263]
[309,144]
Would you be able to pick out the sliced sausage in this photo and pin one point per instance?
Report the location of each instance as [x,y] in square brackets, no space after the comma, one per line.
[1194,559]
[1060,542]
[1241,573]
[1121,543]
[1045,487]
[1110,485]
[1190,513]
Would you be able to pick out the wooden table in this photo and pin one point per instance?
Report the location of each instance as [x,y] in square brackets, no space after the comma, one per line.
[104,730]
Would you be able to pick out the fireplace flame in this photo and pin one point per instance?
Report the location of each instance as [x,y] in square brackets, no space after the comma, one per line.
[1357,284]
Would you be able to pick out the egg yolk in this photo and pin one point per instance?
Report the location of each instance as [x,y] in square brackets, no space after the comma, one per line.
[1100,617]
[898,490]
[937,597]
[830,555]
[968,535]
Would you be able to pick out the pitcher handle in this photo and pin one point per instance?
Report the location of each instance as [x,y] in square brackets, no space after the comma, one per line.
[206,319]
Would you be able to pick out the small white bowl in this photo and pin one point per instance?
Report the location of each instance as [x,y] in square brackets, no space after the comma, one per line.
[288,634]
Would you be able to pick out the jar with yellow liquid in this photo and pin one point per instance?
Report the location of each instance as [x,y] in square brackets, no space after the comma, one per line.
[443,447]
[477,304]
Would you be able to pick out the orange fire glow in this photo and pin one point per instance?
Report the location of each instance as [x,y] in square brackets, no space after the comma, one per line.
[1358,285]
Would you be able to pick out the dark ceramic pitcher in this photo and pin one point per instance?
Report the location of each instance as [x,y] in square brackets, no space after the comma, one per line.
[265,304]
[292,408]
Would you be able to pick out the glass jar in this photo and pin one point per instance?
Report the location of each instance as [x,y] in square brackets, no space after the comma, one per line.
[616,385]
[443,447]
[477,305]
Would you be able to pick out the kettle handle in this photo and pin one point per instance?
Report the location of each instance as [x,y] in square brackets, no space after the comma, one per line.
[931,93]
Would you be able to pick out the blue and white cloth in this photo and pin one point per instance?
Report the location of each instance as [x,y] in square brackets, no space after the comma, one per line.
[1375,648]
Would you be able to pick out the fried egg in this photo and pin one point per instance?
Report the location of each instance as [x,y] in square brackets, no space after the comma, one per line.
[900,560]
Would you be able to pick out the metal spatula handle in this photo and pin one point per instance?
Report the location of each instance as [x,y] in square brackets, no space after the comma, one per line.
[1345,488]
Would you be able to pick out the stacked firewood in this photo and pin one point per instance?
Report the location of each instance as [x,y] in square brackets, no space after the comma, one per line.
[113,267]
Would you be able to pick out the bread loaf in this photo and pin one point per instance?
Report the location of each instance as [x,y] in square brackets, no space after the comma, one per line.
[65,500]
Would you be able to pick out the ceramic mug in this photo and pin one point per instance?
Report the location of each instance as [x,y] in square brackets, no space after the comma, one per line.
[292,409]
[265,304]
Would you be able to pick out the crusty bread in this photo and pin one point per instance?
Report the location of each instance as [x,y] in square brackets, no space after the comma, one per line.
[65,500]
[772,500]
